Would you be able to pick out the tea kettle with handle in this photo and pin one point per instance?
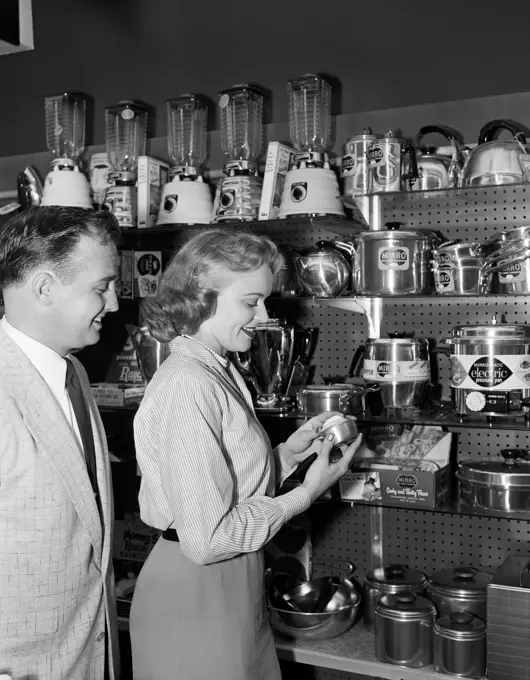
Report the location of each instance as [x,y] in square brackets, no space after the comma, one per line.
[325,271]
[435,170]
[497,161]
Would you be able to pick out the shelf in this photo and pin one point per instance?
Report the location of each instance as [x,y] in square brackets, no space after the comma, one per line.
[335,225]
[352,652]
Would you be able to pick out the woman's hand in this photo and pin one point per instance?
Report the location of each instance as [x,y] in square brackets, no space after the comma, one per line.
[323,473]
[298,447]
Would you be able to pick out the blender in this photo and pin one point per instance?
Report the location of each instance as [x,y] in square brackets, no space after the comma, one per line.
[186,198]
[238,194]
[125,133]
[65,184]
[311,186]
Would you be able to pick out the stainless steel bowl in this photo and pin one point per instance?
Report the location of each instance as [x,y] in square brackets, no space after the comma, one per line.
[344,431]
[322,626]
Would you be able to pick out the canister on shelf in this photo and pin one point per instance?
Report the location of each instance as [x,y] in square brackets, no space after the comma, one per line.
[354,171]
[403,630]
[459,645]
[392,579]
[459,589]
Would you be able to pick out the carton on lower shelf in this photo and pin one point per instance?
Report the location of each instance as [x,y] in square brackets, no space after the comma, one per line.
[117,395]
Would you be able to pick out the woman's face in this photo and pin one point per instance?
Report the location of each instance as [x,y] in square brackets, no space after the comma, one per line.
[240,307]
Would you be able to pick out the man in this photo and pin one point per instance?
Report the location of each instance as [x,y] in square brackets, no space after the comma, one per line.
[58,270]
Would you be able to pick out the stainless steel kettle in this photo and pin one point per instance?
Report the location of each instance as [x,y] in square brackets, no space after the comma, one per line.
[496,161]
[436,170]
[150,352]
[326,271]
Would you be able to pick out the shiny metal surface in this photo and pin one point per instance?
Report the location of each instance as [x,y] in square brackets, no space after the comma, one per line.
[324,272]
[392,262]
[347,398]
[150,352]
[462,589]
[404,630]
[391,579]
[459,645]
[343,432]
[460,280]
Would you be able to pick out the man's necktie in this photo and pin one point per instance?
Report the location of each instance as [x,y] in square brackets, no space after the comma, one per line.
[82,415]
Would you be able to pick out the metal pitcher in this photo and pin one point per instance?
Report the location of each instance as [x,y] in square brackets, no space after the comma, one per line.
[277,349]
[149,352]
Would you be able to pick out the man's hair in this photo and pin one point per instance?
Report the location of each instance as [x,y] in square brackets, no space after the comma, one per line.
[47,236]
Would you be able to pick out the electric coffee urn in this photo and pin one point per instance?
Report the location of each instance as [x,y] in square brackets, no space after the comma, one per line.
[186,199]
[66,184]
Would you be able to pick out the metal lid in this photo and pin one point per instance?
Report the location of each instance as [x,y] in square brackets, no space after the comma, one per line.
[505,473]
[493,331]
[385,234]
[367,134]
[340,388]
[460,626]
[395,578]
[392,342]
[462,582]
[405,606]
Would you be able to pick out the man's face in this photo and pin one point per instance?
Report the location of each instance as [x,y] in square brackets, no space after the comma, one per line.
[81,302]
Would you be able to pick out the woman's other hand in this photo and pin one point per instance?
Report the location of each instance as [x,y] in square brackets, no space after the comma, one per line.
[299,445]
[323,473]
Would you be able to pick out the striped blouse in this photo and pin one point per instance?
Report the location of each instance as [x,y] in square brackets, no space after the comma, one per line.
[207,465]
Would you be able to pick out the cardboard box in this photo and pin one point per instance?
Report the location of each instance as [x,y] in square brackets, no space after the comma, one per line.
[124,368]
[116,395]
[125,285]
[152,176]
[147,272]
[401,465]
[99,172]
[133,540]
[277,164]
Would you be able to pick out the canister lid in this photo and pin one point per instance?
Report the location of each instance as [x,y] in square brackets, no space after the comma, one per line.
[332,389]
[460,626]
[394,232]
[405,606]
[394,578]
[463,582]
[493,331]
[505,473]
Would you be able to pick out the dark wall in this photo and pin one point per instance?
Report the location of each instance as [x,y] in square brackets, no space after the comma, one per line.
[378,53]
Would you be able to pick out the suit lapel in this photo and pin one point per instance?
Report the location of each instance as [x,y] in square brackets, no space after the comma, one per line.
[47,424]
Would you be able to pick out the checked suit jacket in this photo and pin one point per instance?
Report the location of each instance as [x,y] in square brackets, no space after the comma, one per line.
[57,609]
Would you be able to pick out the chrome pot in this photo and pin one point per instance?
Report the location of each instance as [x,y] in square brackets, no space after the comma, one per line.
[459,645]
[400,367]
[452,252]
[390,580]
[395,262]
[392,162]
[346,398]
[285,282]
[497,485]
[457,279]
[325,271]
[490,368]
[495,161]
[461,589]
[404,630]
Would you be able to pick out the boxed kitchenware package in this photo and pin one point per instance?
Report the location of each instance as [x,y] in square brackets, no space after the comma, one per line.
[147,272]
[508,607]
[277,164]
[400,465]
[152,176]
[124,383]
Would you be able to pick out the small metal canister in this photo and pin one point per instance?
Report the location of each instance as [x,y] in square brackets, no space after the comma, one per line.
[462,589]
[354,171]
[459,645]
[390,580]
[403,630]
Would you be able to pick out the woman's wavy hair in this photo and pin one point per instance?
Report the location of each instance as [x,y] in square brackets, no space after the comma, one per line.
[191,283]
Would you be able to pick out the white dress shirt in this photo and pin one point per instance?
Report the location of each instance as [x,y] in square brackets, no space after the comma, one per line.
[208,468]
[52,368]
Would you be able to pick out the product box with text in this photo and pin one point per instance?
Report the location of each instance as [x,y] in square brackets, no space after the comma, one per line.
[152,176]
[277,164]
[147,272]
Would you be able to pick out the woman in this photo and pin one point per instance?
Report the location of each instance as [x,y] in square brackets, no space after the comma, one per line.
[209,473]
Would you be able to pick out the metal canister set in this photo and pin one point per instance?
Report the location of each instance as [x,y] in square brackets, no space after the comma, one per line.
[419,621]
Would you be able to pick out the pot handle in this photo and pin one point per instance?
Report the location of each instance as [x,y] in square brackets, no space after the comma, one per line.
[447,132]
[490,131]
[411,172]
[356,362]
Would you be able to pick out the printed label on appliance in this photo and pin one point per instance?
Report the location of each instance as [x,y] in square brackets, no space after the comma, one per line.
[393,257]
[444,280]
[396,371]
[375,155]
[509,371]
[513,272]
[347,166]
